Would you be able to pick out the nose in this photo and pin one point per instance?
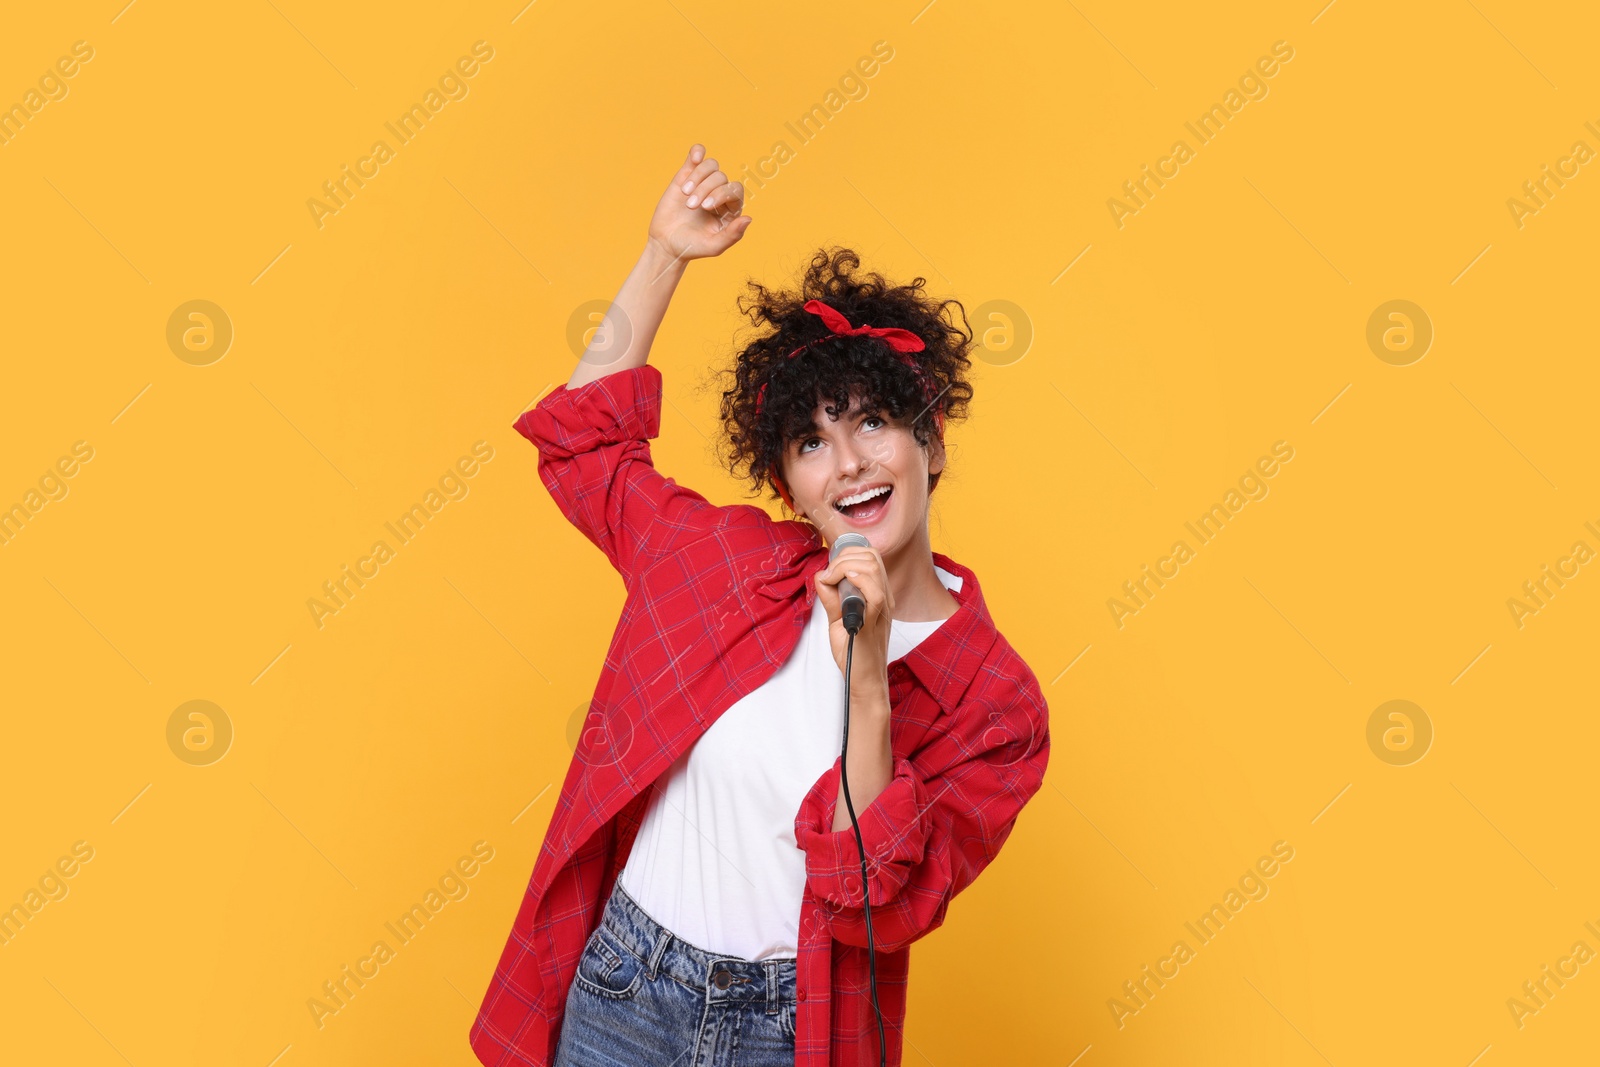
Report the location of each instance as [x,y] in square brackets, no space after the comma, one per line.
[853,461]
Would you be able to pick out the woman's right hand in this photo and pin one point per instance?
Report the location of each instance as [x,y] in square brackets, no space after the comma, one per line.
[698,216]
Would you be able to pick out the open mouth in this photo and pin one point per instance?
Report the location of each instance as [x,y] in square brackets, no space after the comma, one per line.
[865,507]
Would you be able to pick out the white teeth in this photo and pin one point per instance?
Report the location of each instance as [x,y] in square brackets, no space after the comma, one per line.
[860,497]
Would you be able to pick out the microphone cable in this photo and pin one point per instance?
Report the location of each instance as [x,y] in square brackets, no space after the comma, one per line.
[844,782]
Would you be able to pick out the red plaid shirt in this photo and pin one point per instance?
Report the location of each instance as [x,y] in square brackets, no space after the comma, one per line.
[717,598]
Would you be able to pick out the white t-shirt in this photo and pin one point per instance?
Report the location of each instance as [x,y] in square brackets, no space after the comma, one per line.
[715,860]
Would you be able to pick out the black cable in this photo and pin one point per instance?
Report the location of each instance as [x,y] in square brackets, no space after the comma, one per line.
[844,782]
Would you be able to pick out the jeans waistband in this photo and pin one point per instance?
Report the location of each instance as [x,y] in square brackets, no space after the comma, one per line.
[721,978]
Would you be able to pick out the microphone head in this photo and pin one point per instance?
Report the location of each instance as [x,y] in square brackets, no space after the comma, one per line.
[847,540]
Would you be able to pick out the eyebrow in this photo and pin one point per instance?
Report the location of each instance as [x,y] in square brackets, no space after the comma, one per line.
[860,411]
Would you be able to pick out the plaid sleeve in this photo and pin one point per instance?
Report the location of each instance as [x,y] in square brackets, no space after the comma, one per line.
[939,822]
[594,458]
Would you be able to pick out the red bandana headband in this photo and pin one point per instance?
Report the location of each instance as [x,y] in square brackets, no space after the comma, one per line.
[900,342]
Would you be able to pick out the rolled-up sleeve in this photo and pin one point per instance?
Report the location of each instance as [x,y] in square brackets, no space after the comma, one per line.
[939,822]
[594,458]
[895,829]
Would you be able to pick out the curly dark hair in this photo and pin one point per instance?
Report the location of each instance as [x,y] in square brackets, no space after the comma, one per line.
[832,368]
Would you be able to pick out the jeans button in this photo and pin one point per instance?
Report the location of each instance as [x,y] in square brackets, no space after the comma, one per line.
[721,978]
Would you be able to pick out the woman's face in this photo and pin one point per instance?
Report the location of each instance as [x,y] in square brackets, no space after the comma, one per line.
[862,452]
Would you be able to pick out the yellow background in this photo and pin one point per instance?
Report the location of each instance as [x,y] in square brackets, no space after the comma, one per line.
[432,712]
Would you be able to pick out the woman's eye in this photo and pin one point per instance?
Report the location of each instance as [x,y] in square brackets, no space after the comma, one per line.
[806,442]
[874,418]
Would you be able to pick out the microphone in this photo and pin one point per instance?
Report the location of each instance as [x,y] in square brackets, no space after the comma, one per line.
[854,610]
[850,599]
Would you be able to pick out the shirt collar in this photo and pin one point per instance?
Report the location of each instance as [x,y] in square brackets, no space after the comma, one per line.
[946,661]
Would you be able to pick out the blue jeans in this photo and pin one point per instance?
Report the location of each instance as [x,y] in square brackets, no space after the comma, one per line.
[643,997]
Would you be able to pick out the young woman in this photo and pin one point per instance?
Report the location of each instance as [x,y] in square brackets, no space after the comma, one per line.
[699,894]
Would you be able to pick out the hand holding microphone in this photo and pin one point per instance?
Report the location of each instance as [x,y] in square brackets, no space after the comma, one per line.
[861,605]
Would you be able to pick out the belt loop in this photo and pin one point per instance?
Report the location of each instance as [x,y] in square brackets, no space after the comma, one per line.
[659,950]
[772,986]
